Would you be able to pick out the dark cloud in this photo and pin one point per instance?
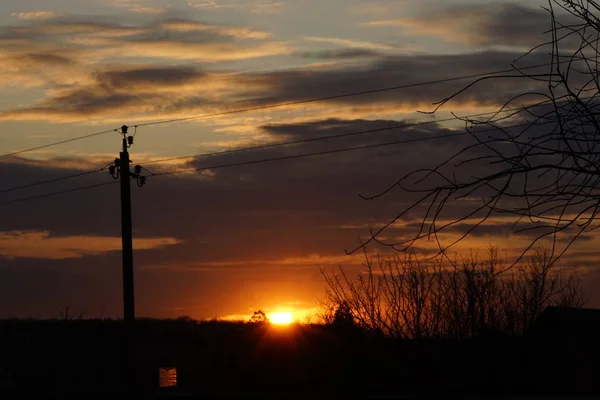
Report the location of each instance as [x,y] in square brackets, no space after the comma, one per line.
[139,90]
[44,59]
[238,227]
[132,90]
[81,64]
[162,28]
[510,24]
[269,212]
[402,70]
[342,54]
[129,88]
[150,76]
[493,24]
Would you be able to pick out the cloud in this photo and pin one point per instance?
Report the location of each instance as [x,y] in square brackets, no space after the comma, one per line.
[98,39]
[39,68]
[259,231]
[401,70]
[113,92]
[41,244]
[37,15]
[71,59]
[208,52]
[171,91]
[356,43]
[137,7]
[251,6]
[240,32]
[494,24]
[346,53]
[310,262]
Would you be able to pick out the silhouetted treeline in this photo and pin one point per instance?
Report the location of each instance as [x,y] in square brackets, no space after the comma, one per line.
[222,357]
[465,297]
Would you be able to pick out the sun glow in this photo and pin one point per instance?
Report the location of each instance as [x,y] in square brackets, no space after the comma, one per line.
[281,318]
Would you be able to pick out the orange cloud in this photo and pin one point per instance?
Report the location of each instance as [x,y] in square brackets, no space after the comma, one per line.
[136,7]
[356,43]
[41,244]
[252,6]
[37,15]
[240,32]
[208,52]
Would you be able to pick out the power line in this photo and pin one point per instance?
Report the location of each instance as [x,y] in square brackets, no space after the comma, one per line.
[272,145]
[281,158]
[41,196]
[298,102]
[316,139]
[324,152]
[339,96]
[230,165]
[62,178]
[265,160]
[15,153]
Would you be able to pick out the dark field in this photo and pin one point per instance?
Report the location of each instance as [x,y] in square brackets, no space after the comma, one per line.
[231,358]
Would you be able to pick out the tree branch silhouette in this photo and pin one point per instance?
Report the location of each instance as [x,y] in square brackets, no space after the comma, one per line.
[542,175]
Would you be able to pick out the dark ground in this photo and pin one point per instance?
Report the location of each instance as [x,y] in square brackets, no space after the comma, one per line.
[220,359]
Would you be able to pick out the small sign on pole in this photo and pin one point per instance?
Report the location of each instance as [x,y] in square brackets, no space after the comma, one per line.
[167,377]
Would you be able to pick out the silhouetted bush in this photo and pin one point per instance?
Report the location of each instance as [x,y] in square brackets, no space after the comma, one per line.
[440,298]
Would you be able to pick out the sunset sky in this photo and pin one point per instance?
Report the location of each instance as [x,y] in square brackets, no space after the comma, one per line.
[225,242]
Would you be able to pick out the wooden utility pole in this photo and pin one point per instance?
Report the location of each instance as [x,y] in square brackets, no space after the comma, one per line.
[126,233]
[122,170]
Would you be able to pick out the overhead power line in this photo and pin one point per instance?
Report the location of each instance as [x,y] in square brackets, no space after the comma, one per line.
[41,196]
[340,96]
[283,104]
[331,151]
[260,161]
[45,146]
[294,156]
[341,135]
[62,178]
[299,141]
[272,159]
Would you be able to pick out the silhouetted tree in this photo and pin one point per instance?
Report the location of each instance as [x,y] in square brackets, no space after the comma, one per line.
[537,285]
[468,297]
[536,161]
[342,317]
[259,317]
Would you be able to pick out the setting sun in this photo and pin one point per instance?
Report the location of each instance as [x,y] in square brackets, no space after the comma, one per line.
[281,318]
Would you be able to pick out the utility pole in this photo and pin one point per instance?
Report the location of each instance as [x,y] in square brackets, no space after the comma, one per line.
[121,170]
[127,233]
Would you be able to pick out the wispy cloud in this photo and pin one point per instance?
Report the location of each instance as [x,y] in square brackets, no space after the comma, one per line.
[164,38]
[357,43]
[500,24]
[37,15]
[240,32]
[136,6]
[41,244]
[80,61]
[144,91]
[251,6]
